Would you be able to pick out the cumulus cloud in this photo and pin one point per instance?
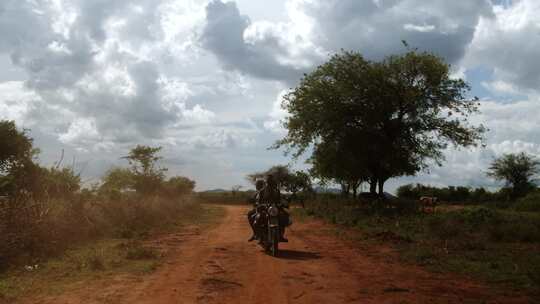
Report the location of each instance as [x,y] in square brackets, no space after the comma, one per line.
[258,48]
[94,60]
[15,101]
[206,81]
[315,29]
[508,44]
[277,115]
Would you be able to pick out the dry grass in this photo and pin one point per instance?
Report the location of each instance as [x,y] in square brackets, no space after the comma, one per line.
[100,258]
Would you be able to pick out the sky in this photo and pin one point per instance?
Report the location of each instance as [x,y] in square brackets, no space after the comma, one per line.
[204,79]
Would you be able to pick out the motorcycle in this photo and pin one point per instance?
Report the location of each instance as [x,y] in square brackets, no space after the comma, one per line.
[267,221]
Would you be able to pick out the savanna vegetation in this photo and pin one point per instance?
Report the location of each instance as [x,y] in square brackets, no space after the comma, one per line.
[358,122]
[496,245]
[362,121]
[54,227]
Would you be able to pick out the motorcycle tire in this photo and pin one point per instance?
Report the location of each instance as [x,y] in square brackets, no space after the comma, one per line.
[274,242]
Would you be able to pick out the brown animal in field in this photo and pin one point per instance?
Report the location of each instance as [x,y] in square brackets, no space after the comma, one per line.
[428,204]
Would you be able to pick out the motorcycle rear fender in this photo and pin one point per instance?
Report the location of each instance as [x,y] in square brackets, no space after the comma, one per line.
[274,222]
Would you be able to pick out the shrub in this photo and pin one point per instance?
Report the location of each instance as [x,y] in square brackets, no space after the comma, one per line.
[445,227]
[136,251]
[529,203]
[95,260]
[449,194]
[480,216]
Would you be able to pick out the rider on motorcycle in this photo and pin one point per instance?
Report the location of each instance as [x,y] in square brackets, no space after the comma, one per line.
[257,199]
[268,192]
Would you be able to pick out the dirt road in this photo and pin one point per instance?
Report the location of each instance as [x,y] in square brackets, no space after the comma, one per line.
[220,266]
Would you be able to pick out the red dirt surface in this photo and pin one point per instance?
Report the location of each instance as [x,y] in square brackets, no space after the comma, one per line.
[220,266]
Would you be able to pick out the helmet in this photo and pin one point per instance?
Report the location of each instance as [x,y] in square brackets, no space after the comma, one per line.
[270,180]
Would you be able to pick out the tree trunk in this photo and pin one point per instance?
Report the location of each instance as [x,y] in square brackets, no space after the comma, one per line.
[381,187]
[373,185]
[355,186]
[345,188]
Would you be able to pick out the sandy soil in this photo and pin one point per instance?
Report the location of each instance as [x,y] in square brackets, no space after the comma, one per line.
[220,266]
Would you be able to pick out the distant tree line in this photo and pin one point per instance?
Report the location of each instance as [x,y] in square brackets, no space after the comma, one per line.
[452,194]
[44,210]
[518,171]
[144,176]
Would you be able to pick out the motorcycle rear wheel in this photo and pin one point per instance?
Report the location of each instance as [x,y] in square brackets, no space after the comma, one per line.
[274,243]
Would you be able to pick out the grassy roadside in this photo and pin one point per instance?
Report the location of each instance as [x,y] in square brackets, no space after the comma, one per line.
[100,259]
[496,246]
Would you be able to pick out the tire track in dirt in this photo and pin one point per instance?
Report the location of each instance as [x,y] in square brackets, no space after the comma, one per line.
[220,266]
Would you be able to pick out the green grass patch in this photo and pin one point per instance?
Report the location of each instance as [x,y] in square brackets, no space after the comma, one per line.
[529,203]
[493,245]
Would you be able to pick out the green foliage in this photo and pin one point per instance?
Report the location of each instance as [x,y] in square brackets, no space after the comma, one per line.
[45,210]
[529,203]
[334,162]
[60,183]
[136,251]
[178,185]
[148,177]
[492,244]
[388,117]
[18,173]
[118,179]
[16,148]
[450,194]
[517,170]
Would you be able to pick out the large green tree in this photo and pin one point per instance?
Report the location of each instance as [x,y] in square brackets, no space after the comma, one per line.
[179,185]
[517,170]
[18,172]
[148,177]
[392,116]
[16,146]
[334,162]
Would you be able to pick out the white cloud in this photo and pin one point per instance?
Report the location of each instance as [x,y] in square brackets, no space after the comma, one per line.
[15,101]
[201,78]
[81,129]
[424,28]
[509,45]
[198,115]
[277,115]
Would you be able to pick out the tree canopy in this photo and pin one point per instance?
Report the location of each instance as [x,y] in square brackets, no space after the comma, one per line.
[118,179]
[16,146]
[148,177]
[179,185]
[517,170]
[369,120]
